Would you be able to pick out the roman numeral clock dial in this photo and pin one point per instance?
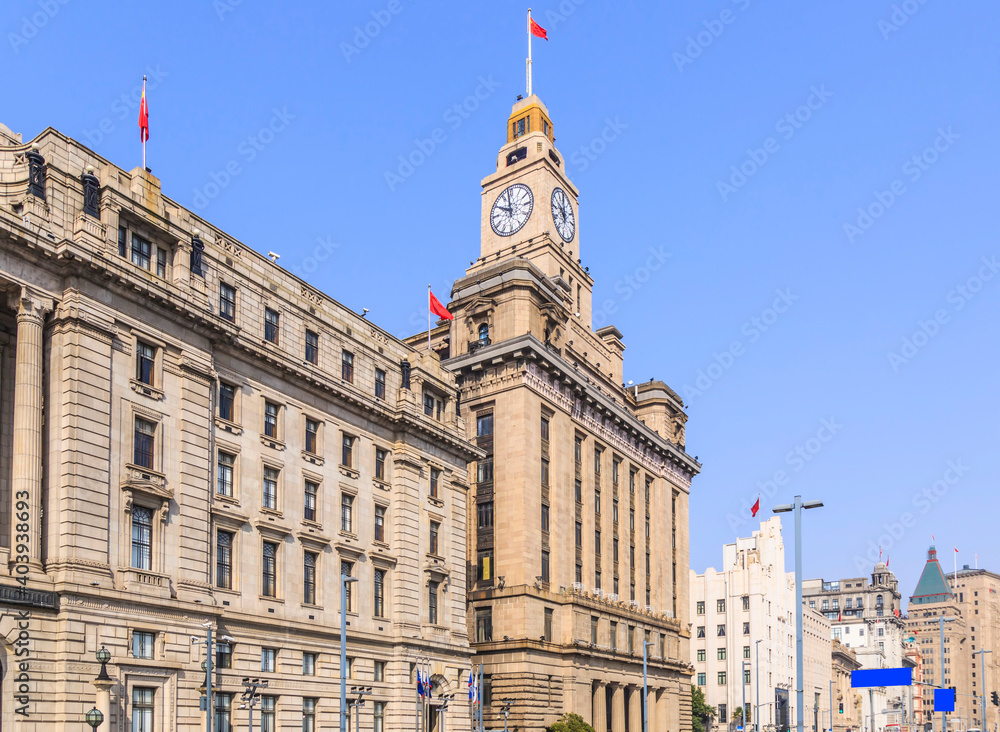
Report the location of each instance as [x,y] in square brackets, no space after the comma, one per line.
[562,215]
[511,210]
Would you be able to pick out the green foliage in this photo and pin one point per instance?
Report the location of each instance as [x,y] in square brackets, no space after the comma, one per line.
[570,723]
[700,711]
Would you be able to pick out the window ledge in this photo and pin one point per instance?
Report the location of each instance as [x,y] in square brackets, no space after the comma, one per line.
[228,500]
[146,389]
[348,535]
[231,427]
[312,458]
[436,501]
[349,472]
[380,483]
[265,598]
[272,442]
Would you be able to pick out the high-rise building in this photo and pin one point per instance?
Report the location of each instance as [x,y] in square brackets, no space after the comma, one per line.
[864,614]
[933,605]
[743,646]
[190,436]
[578,519]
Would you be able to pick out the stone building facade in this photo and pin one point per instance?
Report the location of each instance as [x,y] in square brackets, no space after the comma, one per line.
[978,594]
[846,701]
[190,436]
[578,522]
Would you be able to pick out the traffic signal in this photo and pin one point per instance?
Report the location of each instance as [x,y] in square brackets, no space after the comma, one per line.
[995,699]
[842,704]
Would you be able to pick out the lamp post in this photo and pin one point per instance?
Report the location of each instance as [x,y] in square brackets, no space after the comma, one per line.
[210,650]
[344,580]
[358,703]
[506,711]
[645,686]
[103,683]
[250,696]
[982,696]
[94,718]
[797,507]
[446,699]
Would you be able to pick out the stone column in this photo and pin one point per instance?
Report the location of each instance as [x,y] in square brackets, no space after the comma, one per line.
[599,707]
[635,709]
[658,701]
[26,468]
[104,700]
[618,709]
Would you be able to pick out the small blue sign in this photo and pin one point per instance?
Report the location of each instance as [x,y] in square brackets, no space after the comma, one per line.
[944,700]
[881,677]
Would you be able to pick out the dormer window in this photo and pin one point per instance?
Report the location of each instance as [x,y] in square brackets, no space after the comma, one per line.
[484,335]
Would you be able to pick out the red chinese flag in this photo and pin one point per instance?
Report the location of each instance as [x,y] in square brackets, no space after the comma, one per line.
[438,309]
[755,508]
[537,30]
[143,115]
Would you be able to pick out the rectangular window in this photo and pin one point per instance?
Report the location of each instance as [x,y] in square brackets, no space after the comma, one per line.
[227,402]
[746,628]
[435,482]
[227,301]
[379,605]
[224,559]
[347,366]
[432,603]
[347,512]
[701,632]
[379,672]
[223,712]
[312,436]
[268,660]
[701,654]
[143,707]
[578,450]
[379,384]
[380,523]
[720,606]
[545,566]
[271,420]
[545,517]
[722,678]
[270,492]
[484,515]
[378,717]
[545,429]
[614,511]
[309,501]
[578,575]
[614,635]
[547,624]
[308,664]
[484,470]
[143,644]
[746,676]
[429,405]
[597,501]
[309,578]
[746,602]
[593,630]
[142,538]
[578,491]
[312,347]
[484,566]
[701,679]
[347,452]
[700,607]
[346,568]
[597,461]
[545,472]
[141,251]
[308,714]
[122,240]
[145,438]
[269,569]
[484,425]
[597,542]
[746,651]
[720,630]
[380,456]
[579,535]
[223,655]
[271,323]
[224,484]
[720,654]
[484,624]
[435,532]
[267,709]
[161,262]
[145,360]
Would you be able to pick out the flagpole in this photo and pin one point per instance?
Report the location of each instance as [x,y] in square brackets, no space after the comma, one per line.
[528,69]
[428,318]
[144,135]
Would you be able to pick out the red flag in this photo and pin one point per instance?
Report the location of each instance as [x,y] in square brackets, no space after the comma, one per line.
[755,507]
[956,550]
[143,115]
[438,309]
[537,30]
[840,616]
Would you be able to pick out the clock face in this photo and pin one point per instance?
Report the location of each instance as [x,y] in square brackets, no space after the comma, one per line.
[511,209]
[562,214]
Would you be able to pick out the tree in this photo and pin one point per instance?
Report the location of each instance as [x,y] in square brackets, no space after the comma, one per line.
[570,723]
[700,711]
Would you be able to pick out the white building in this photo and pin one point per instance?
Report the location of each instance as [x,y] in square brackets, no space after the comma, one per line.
[743,634]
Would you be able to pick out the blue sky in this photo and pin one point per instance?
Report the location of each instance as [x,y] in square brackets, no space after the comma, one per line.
[818,178]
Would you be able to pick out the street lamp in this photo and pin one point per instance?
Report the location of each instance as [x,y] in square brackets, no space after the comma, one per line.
[250,695]
[344,580]
[506,711]
[103,656]
[797,507]
[444,707]
[210,649]
[358,703]
[94,718]
[645,686]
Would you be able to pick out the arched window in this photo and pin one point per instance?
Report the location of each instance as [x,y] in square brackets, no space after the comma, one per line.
[484,335]
[142,538]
